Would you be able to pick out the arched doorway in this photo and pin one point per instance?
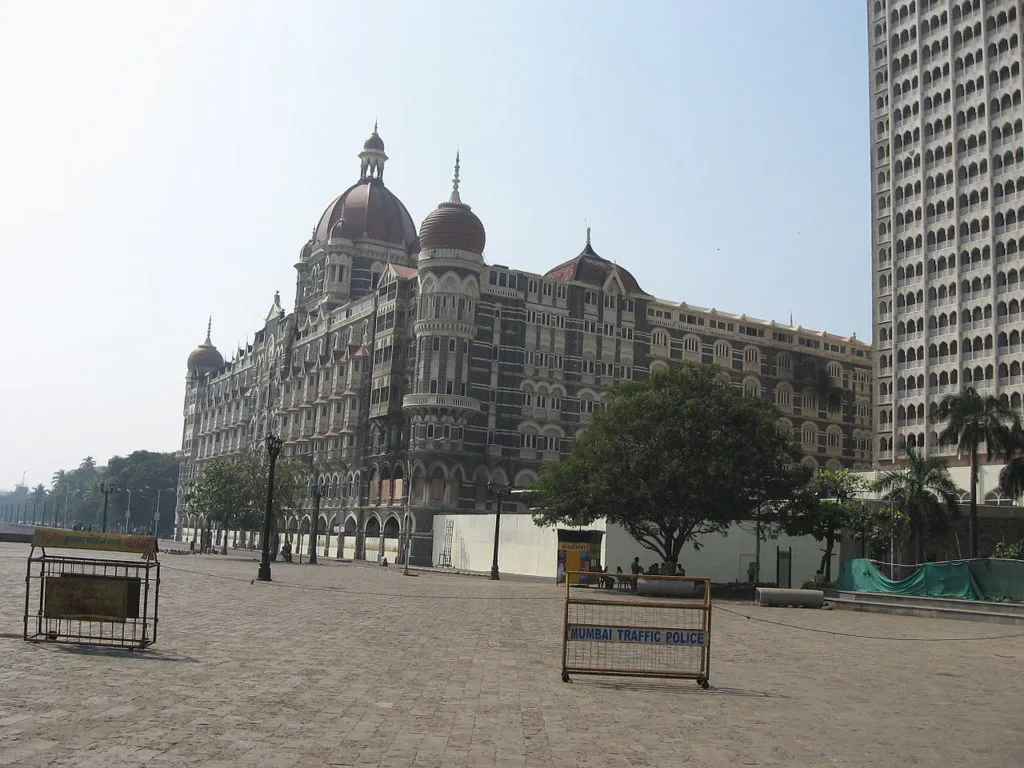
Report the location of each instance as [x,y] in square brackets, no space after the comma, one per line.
[390,539]
[372,539]
[348,539]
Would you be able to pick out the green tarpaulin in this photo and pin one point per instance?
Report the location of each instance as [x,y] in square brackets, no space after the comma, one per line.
[982,579]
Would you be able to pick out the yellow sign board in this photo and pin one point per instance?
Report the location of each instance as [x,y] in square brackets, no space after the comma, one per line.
[107,542]
[86,598]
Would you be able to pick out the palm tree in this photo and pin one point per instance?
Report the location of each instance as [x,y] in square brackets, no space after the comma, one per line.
[59,481]
[924,491]
[973,420]
[38,496]
[1011,478]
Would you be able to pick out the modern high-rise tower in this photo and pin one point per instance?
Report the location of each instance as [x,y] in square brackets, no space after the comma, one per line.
[947,149]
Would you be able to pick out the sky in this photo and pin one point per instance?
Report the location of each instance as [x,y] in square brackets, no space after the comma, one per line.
[161,162]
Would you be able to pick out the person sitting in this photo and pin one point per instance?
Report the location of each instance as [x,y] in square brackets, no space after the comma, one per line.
[653,570]
[286,551]
[384,562]
[620,579]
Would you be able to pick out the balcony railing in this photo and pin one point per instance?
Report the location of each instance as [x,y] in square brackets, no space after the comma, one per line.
[437,400]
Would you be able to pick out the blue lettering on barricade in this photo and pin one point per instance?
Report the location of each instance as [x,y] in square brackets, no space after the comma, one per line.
[644,636]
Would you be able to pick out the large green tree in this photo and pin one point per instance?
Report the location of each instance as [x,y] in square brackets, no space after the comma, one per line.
[153,479]
[672,458]
[973,419]
[833,508]
[231,492]
[923,491]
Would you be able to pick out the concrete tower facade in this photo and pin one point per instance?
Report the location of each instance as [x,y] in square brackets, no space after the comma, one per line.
[947,154]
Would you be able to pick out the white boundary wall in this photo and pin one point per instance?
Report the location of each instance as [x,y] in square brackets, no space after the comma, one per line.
[724,559]
[524,548]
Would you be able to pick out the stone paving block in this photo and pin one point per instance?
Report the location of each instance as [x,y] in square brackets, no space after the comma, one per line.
[349,665]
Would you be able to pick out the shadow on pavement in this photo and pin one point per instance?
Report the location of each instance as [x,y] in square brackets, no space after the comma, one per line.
[123,653]
[681,686]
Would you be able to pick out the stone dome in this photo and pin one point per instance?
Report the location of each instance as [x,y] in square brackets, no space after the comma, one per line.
[368,209]
[205,358]
[453,224]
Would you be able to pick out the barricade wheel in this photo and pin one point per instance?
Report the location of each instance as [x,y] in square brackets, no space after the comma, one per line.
[704,683]
[565,677]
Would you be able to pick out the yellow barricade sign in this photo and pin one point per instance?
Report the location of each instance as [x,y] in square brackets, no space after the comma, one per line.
[105,542]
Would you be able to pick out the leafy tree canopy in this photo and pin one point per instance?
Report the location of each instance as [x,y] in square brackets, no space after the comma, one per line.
[828,509]
[232,492]
[672,458]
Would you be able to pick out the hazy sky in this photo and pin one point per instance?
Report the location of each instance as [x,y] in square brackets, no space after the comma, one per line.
[160,162]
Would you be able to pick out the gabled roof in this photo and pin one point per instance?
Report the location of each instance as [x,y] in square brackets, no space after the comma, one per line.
[590,268]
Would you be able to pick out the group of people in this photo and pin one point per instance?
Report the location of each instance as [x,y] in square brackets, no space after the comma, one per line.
[654,569]
[609,582]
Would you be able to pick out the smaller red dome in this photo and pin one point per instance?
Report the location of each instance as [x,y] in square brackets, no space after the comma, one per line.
[453,225]
[205,358]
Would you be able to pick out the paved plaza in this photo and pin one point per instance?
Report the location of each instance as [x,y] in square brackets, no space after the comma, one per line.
[353,665]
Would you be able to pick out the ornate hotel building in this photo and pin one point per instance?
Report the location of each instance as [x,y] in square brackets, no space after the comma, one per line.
[410,372]
[948,213]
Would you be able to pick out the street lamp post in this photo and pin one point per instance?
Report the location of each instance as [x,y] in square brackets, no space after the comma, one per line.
[128,512]
[156,515]
[273,449]
[499,490]
[408,515]
[106,488]
[318,490]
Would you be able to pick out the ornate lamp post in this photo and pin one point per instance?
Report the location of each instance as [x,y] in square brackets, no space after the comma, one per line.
[273,450]
[106,488]
[499,490]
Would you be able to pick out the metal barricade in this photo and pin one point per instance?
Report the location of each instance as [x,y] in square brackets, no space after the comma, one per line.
[638,626]
[89,600]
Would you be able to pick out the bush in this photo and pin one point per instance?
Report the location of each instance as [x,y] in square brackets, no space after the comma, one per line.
[1010,551]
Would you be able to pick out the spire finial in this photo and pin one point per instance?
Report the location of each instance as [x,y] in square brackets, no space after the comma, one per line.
[375,126]
[455,180]
[209,327]
[588,234]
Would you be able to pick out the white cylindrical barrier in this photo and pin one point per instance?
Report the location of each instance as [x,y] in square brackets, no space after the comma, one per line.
[781,598]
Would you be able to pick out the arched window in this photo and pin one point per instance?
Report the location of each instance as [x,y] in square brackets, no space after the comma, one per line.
[784,396]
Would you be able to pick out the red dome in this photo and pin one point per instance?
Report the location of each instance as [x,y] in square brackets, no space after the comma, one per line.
[453,225]
[368,209]
[205,358]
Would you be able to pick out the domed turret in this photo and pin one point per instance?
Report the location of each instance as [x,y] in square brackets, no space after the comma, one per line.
[368,209]
[375,142]
[205,358]
[453,224]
